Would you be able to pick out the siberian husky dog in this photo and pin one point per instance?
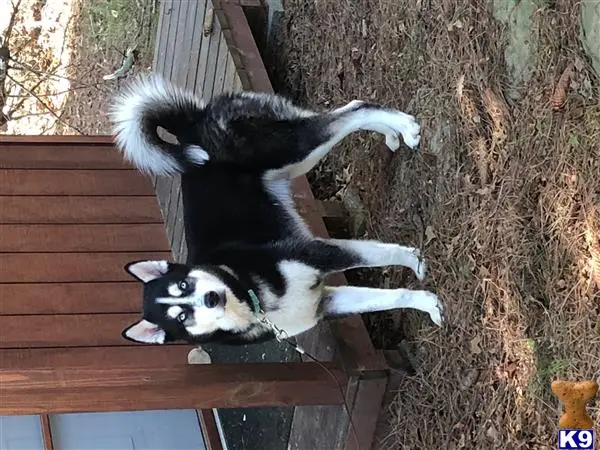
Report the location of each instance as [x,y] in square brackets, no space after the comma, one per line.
[253,266]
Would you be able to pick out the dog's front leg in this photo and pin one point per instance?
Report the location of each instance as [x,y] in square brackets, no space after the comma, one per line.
[369,253]
[344,300]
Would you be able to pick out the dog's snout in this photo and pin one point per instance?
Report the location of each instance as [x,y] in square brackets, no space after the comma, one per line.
[212,299]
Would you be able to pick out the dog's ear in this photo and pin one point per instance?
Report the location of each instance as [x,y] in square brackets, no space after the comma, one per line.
[145,332]
[146,271]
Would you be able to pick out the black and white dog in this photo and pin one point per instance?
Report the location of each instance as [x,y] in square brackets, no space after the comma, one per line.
[250,255]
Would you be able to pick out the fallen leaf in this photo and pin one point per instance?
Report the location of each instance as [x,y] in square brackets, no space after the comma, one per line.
[474,345]
[559,96]
[429,234]
[469,378]
[492,434]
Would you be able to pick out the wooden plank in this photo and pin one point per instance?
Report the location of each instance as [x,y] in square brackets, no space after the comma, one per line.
[56,390]
[166,9]
[83,238]
[100,139]
[332,420]
[210,431]
[172,38]
[221,67]
[70,298]
[69,330]
[197,40]
[365,413]
[242,43]
[237,83]
[163,189]
[79,210]
[182,45]
[162,25]
[61,156]
[185,42]
[230,73]
[134,356]
[73,182]
[46,432]
[69,267]
[211,62]
[200,74]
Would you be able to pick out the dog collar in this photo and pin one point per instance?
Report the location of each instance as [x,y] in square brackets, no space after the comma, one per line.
[280,334]
[255,303]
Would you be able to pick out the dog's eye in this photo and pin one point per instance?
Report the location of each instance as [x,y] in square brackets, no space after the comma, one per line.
[182,285]
[181,317]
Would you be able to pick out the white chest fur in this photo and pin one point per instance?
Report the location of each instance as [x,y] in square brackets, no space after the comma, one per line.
[296,311]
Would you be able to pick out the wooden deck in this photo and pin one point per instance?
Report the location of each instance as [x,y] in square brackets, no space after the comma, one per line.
[226,58]
[72,214]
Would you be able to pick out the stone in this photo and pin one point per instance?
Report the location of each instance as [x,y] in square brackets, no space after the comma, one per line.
[198,356]
[521,50]
[590,31]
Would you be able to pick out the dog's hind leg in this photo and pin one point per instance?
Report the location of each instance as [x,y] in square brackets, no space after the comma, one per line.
[345,300]
[330,128]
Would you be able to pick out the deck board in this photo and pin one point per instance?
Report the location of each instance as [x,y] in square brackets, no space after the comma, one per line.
[73,209]
[73,182]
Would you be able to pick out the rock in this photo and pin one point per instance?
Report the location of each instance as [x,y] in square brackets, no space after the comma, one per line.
[590,31]
[522,47]
[356,210]
[198,356]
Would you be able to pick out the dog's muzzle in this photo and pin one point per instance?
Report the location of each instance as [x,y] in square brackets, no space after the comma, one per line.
[213,299]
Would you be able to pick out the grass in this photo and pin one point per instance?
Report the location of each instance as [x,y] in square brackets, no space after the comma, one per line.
[515,217]
[114,22]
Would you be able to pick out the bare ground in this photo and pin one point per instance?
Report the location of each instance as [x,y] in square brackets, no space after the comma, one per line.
[503,197]
[62,49]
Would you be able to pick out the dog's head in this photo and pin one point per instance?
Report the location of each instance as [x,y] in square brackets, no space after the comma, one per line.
[185,303]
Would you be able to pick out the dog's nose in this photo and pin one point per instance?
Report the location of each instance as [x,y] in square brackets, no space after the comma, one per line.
[212,299]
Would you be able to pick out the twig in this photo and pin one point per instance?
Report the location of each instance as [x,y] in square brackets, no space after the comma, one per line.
[66,91]
[22,116]
[33,94]
[11,23]
[26,67]
[14,108]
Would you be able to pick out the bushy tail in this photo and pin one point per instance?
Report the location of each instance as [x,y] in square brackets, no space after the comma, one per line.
[146,104]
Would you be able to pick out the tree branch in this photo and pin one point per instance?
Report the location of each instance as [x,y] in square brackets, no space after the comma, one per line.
[11,23]
[15,107]
[50,110]
[66,91]
[26,67]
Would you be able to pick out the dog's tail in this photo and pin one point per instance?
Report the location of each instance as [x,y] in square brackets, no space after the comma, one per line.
[150,102]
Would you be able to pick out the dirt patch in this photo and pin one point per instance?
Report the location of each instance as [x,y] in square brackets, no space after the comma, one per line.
[503,197]
[106,30]
[60,52]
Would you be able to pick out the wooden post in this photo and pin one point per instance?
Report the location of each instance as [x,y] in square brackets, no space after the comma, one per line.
[109,388]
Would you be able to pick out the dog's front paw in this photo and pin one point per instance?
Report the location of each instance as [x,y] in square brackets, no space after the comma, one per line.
[410,130]
[420,269]
[412,259]
[430,303]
